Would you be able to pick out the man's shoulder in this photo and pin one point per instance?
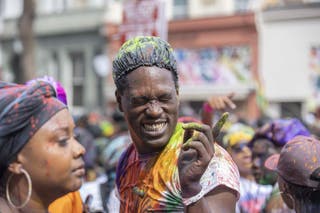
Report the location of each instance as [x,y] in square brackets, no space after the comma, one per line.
[222,170]
[127,155]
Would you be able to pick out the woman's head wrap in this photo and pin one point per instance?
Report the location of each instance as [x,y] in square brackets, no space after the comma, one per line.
[23,110]
[280,131]
[60,91]
[237,133]
[143,51]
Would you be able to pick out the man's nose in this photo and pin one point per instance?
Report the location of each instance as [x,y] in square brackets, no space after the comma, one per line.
[154,109]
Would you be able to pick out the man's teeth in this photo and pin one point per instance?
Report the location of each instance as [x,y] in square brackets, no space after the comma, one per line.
[154,127]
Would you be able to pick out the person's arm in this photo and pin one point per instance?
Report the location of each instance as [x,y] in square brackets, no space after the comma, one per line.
[220,200]
[207,113]
[216,103]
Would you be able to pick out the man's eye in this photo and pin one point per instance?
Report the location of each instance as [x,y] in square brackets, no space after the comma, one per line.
[138,101]
[165,98]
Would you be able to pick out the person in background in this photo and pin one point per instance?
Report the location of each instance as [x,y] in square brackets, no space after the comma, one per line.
[86,139]
[40,160]
[268,140]
[101,187]
[216,105]
[169,166]
[298,169]
[252,195]
[113,151]
[220,103]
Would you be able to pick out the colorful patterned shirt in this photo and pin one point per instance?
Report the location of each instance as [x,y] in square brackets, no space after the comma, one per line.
[151,182]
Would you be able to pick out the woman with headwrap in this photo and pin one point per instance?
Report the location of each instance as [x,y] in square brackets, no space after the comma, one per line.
[40,160]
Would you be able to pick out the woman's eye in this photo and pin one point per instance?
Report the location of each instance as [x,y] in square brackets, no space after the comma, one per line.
[63,142]
[76,136]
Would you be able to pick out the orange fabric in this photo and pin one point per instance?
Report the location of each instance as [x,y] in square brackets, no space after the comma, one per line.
[70,203]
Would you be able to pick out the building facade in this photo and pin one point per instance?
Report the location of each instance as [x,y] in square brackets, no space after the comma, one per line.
[216,46]
[68,41]
[263,50]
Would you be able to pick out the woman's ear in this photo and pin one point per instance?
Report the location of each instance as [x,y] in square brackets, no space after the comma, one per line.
[288,199]
[15,167]
[285,195]
[118,97]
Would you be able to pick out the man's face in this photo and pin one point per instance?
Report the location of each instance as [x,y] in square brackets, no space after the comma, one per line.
[150,105]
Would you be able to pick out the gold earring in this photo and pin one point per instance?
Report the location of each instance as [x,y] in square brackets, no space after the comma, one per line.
[29,190]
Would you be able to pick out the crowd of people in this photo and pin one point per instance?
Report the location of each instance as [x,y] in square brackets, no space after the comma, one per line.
[146,157]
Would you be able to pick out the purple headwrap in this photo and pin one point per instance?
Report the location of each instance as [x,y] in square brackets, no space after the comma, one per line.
[23,110]
[61,93]
[280,131]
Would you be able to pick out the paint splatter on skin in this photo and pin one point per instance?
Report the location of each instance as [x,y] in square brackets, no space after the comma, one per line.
[45,165]
[218,126]
[191,133]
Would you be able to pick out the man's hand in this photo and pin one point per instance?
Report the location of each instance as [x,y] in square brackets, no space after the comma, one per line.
[196,153]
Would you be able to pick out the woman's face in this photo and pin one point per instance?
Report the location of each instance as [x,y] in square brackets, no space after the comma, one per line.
[241,154]
[53,157]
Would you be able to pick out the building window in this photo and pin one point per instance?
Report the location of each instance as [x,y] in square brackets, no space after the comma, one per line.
[78,77]
[11,8]
[180,9]
[241,5]
[51,6]
[58,6]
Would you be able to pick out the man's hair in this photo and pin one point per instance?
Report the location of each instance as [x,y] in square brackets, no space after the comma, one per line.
[143,51]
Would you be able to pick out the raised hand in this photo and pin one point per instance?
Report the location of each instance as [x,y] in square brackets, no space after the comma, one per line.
[222,103]
[216,103]
[196,153]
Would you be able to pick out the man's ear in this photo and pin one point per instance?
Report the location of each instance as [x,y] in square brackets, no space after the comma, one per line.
[118,97]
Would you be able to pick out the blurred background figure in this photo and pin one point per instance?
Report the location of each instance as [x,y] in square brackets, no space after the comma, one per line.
[86,138]
[108,148]
[298,169]
[112,152]
[268,140]
[252,195]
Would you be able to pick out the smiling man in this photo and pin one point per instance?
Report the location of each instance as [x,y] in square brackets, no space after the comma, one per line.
[170,167]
